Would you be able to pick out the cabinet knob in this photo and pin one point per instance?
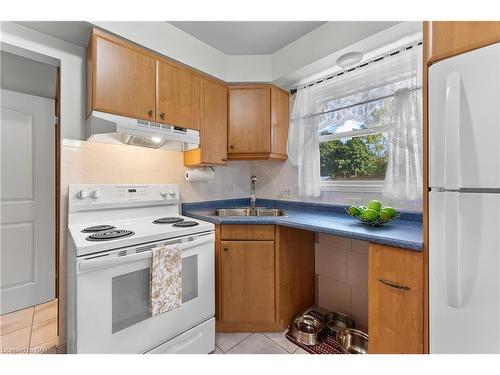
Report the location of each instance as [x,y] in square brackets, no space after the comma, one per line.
[150,112]
[162,115]
[224,159]
[231,147]
[226,249]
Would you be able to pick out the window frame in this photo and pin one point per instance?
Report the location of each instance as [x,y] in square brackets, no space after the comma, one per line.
[354,186]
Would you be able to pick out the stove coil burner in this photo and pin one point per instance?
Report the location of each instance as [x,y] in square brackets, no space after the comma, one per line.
[110,235]
[98,228]
[168,220]
[186,224]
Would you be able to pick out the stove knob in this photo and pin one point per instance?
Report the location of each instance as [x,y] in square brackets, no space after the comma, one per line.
[95,194]
[83,194]
[163,193]
[172,193]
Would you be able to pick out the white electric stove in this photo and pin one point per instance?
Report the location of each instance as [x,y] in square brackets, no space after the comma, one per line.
[112,231]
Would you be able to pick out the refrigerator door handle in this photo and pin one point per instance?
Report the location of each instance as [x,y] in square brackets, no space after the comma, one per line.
[452,130]
[452,250]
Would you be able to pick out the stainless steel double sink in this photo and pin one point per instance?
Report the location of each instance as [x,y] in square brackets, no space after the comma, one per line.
[247,211]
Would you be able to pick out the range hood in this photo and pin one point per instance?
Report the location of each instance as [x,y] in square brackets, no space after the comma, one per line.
[108,128]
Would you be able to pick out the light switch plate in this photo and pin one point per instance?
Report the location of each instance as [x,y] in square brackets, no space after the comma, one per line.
[285,192]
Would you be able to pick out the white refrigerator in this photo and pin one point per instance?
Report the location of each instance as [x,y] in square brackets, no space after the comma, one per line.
[464,203]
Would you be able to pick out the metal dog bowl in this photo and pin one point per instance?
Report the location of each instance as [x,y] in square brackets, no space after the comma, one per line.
[307,330]
[353,341]
[337,321]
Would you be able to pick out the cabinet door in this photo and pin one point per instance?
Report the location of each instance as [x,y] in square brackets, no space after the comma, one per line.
[213,130]
[450,38]
[124,80]
[279,121]
[395,300]
[247,281]
[249,120]
[178,96]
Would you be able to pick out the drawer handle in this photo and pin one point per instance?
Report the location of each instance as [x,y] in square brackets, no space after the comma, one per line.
[394,285]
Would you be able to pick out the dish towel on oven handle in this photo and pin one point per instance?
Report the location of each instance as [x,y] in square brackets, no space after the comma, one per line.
[165,279]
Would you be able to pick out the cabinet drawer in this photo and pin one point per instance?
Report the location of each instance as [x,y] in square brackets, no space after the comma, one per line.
[255,232]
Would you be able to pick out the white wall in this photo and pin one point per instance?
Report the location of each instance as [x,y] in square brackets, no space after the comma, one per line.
[28,76]
[170,41]
[72,59]
[273,176]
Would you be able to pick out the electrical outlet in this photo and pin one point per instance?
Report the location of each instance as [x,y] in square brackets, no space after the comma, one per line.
[354,201]
[285,192]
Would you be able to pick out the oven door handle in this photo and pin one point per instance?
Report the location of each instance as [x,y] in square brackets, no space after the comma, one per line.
[92,264]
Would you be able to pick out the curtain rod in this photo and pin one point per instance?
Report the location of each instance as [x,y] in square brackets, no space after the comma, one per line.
[360,103]
[374,60]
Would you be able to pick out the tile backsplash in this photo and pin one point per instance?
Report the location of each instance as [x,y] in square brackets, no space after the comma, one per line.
[341,266]
[98,163]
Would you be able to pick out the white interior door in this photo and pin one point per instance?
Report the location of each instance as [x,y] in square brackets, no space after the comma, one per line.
[27,196]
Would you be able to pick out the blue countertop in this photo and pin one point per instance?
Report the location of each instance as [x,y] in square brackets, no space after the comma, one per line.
[405,232]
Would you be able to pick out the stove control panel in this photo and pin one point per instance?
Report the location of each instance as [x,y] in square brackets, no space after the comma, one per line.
[92,196]
[132,193]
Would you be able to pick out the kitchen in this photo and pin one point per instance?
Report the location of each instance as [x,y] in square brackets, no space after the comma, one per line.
[211,195]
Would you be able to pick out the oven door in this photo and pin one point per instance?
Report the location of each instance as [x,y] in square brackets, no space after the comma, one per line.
[113,297]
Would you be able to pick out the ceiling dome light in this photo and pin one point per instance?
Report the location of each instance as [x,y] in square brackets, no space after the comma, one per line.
[349,59]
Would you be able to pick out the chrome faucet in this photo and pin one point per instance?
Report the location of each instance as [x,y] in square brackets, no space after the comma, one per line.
[253,198]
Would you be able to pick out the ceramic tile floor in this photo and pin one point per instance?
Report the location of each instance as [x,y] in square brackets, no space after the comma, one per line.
[255,343]
[31,330]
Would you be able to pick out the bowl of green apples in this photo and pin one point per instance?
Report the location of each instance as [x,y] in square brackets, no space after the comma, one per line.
[374,214]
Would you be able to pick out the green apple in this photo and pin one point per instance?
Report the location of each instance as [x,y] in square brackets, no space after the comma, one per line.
[385,216]
[361,208]
[354,211]
[375,205]
[369,215]
[391,211]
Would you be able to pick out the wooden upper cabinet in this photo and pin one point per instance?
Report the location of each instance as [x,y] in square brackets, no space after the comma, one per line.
[258,122]
[279,121]
[395,300]
[178,96]
[213,126]
[249,120]
[450,38]
[122,79]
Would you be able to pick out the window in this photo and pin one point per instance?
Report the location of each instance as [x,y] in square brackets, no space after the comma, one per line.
[353,139]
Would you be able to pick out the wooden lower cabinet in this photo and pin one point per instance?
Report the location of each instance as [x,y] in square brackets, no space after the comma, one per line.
[264,276]
[248,289]
[395,300]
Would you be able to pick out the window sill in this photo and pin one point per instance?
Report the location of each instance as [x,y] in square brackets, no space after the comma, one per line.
[353,186]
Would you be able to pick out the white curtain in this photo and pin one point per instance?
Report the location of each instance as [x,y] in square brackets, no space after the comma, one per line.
[399,75]
[303,144]
[404,175]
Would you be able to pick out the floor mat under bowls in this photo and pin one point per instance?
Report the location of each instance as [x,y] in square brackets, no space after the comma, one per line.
[329,345]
